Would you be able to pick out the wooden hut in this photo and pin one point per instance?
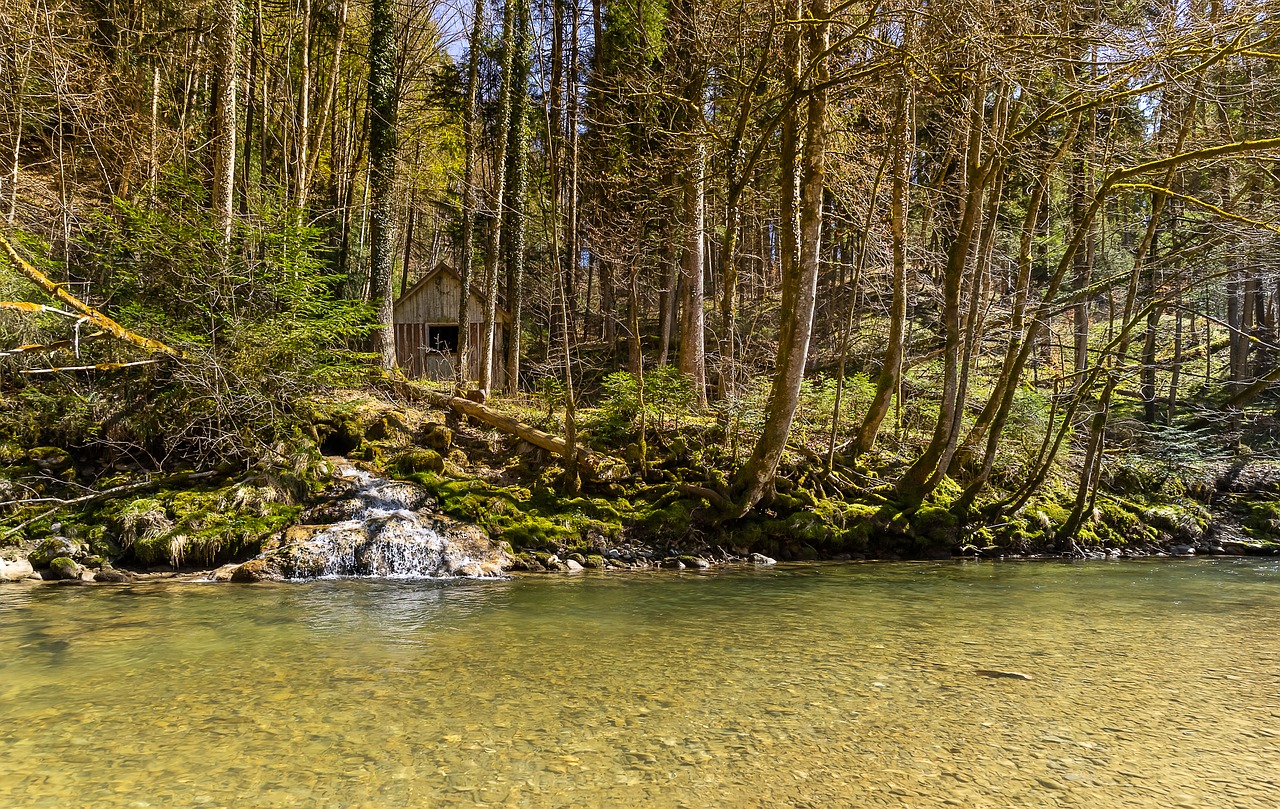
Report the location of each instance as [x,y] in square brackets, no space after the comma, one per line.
[426,326]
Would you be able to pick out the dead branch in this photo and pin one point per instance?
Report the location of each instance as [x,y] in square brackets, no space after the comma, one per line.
[102,366]
[92,315]
[105,493]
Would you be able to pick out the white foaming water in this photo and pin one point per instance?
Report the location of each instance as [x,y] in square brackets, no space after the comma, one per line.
[387,537]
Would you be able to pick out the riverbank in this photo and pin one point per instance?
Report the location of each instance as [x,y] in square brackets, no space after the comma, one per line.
[464,473]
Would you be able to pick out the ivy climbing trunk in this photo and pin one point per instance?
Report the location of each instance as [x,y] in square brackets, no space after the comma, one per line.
[382,175]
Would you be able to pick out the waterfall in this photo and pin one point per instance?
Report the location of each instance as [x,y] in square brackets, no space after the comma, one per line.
[376,528]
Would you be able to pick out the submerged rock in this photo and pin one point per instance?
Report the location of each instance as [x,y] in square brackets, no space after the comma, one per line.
[386,536]
[110,575]
[761,559]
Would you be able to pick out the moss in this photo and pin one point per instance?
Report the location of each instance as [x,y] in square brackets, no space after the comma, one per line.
[935,528]
[412,460]
[50,549]
[806,527]
[203,525]
[436,436]
[64,567]
[1262,519]
[1123,521]
[671,520]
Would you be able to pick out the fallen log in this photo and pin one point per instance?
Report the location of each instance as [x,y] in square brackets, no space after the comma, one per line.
[600,467]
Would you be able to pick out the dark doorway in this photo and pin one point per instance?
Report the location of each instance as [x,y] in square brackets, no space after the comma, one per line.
[443,339]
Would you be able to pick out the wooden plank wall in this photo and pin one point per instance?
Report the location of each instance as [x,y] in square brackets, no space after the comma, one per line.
[437,303]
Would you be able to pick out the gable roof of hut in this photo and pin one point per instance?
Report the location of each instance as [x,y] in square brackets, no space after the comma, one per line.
[445,269]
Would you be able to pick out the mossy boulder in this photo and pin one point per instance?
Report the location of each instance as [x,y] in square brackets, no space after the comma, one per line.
[51,549]
[935,529]
[388,426]
[436,436]
[50,459]
[64,568]
[413,460]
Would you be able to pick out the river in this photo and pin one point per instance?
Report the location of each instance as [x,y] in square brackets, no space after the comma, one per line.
[1154,683]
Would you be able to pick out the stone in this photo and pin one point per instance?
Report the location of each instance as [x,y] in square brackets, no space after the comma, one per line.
[1183,550]
[695,562]
[761,559]
[53,548]
[15,570]
[50,459]
[224,573]
[109,575]
[65,568]
[550,561]
[418,459]
[594,561]
[573,566]
[330,511]
[255,570]
[527,562]
[436,436]
[386,427]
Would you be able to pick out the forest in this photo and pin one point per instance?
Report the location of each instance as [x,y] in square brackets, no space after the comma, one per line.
[809,278]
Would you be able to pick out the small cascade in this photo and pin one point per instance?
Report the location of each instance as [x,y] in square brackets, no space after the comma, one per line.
[376,528]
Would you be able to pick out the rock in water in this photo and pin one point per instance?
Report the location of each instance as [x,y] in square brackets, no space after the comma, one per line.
[64,567]
[386,536]
[15,570]
[761,559]
[53,548]
[1010,675]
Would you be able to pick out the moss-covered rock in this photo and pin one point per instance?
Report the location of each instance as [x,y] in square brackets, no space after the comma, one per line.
[53,548]
[50,459]
[436,436]
[390,425]
[413,460]
[64,568]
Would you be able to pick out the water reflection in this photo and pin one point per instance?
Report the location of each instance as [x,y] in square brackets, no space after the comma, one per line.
[826,685]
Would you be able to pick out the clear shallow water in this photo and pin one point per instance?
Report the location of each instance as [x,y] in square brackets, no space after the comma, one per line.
[1156,684]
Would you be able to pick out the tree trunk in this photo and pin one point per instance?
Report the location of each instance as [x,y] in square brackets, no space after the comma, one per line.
[518,163]
[383,104]
[692,358]
[891,371]
[303,171]
[800,272]
[916,483]
[497,218]
[470,136]
[227,35]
